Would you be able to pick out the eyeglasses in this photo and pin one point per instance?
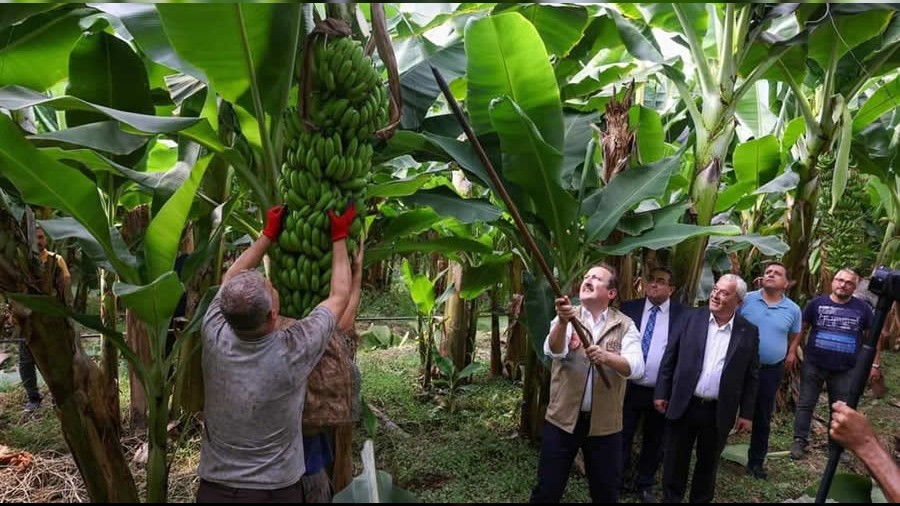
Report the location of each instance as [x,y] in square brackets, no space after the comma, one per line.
[722,293]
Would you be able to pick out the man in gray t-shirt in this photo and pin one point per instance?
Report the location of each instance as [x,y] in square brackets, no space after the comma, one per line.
[255,376]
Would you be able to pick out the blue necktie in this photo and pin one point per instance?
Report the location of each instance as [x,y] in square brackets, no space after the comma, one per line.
[648,331]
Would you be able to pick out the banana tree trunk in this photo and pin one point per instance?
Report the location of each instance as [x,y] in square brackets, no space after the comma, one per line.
[88,414]
[802,215]
[535,397]
[712,149]
[139,342]
[517,348]
[87,409]
[496,359]
[457,318]
[110,355]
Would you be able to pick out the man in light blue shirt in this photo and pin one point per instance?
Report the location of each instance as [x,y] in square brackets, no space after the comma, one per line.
[779,320]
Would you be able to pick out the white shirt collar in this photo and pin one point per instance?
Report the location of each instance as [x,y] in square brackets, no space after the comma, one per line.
[727,326]
[663,308]
[586,316]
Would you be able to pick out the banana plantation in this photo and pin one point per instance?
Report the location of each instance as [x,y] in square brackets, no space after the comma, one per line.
[148,141]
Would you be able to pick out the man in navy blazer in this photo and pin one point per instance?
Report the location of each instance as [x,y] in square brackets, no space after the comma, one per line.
[708,376]
[656,315]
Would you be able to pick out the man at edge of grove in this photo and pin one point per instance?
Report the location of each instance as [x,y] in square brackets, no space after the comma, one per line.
[837,324]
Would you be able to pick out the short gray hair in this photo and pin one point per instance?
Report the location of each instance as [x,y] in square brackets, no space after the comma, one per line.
[739,282]
[246,301]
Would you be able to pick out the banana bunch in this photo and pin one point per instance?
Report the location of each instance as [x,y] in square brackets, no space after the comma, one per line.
[326,166]
[843,232]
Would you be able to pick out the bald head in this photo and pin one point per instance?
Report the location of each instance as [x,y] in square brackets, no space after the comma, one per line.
[247,301]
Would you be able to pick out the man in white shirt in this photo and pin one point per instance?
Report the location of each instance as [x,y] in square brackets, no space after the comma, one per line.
[708,376]
[584,413]
[657,316]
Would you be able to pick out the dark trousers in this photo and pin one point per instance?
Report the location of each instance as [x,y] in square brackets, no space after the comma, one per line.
[638,405]
[210,492]
[811,380]
[602,462]
[769,380]
[697,425]
[28,373]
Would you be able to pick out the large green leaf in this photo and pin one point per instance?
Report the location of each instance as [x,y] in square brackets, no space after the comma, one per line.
[791,65]
[560,26]
[605,207]
[637,38]
[430,146]
[446,202]
[398,187]
[785,182]
[757,160]
[662,15]
[491,272]
[734,194]
[886,98]
[35,53]
[836,35]
[539,312]
[409,223]
[97,163]
[104,70]
[846,488]
[534,166]
[418,87]
[153,303]
[665,236]
[103,136]
[649,134]
[578,133]
[794,129]
[164,233]
[736,453]
[12,14]
[44,181]
[16,97]
[769,245]
[754,113]
[142,22]
[421,289]
[507,58]
[241,34]
[68,228]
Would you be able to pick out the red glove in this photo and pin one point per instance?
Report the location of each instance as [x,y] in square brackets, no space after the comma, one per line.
[274,217]
[340,225]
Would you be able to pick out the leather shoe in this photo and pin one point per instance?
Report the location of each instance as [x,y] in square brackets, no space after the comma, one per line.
[647,496]
[757,472]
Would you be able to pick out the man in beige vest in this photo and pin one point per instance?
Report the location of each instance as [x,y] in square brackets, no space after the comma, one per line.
[583,412]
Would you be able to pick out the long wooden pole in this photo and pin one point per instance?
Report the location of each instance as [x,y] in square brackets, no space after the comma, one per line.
[580,330]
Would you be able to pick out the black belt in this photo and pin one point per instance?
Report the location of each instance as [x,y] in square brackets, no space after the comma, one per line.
[772,366]
[703,402]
